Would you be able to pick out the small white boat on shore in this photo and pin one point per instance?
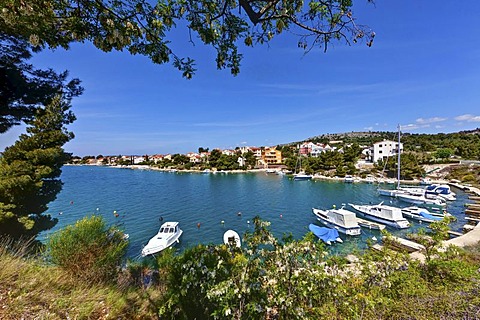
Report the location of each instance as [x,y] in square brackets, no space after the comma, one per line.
[231,238]
[388,215]
[341,219]
[168,234]
[348,179]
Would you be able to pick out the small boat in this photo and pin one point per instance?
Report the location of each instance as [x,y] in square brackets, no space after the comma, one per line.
[441,190]
[231,238]
[327,235]
[370,224]
[370,179]
[341,219]
[391,216]
[302,176]
[421,214]
[348,179]
[422,199]
[168,234]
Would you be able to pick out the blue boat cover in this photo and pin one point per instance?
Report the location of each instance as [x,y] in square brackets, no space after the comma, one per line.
[324,233]
[429,216]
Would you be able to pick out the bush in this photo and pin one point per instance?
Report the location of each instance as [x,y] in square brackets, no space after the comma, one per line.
[88,249]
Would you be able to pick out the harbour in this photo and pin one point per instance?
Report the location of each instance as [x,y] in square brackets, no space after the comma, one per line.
[138,199]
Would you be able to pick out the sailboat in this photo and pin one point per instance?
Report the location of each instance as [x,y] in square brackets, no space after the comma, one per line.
[397,190]
[301,175]
[411,195]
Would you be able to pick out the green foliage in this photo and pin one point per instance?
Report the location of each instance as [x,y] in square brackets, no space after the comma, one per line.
[29,171]
[444,153]
[145,28]
[89,249]
[25,89]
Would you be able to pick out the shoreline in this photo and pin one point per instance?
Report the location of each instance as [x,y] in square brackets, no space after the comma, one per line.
[357,179]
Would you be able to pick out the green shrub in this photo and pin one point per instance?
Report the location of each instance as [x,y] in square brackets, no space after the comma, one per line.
[88,249]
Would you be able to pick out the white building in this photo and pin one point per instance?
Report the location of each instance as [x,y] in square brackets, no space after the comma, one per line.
[385,149]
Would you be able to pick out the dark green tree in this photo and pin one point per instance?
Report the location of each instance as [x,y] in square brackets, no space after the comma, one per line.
[30,170]
[145,27]
[250,159]
[23,88]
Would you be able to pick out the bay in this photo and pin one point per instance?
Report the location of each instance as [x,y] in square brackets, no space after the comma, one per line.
[138,199]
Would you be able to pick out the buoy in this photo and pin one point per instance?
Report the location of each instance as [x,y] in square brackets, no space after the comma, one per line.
[248,221]
[239,213]
[160,219]
[281,215]
[98,209]
[222,222]
[61,212]
[198,225]
[374,238]
[334,206]
[71,202]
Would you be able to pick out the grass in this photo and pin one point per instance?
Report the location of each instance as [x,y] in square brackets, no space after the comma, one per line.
[30,289]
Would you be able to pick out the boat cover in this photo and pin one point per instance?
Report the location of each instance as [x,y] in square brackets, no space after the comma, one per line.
[325,234]
[429,216]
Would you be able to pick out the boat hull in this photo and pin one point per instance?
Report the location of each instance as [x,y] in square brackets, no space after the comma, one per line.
[324,219]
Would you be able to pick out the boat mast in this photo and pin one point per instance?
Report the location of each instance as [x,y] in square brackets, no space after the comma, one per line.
[398,159]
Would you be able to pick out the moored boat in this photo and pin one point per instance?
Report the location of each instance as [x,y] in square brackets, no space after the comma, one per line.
[168,234]
[422,214]
[327,235]
[391,216]
[441,190]
[341,219]
[302,176]
[422,199]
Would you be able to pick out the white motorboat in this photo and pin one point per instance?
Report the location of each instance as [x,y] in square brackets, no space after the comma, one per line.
[231,238]
[302,176]
[384,214]
[422,214]
[168,234]
[341,219]
[422,199]
[348,179]
[441,190]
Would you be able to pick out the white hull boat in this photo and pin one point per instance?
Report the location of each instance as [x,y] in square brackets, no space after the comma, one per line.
[441,190]
[302,176]
[421,200]
[390,216]
[341,219]
[168,234]
[422,214]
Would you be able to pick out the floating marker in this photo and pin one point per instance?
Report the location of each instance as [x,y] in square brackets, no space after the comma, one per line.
[222,222]
[198,225]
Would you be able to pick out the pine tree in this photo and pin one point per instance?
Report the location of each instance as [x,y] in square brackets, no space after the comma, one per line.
[30,171]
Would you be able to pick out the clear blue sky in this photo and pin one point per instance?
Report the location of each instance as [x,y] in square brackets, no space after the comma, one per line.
[423,72]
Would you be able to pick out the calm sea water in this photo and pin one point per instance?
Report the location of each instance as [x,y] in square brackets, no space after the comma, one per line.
[142,197]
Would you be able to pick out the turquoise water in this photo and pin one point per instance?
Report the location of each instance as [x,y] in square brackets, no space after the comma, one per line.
[142,197]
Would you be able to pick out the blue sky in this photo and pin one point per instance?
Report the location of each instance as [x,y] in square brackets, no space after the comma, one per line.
[422,72]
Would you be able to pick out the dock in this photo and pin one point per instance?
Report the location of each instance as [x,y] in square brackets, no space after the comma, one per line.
[370,224]
[405,244]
